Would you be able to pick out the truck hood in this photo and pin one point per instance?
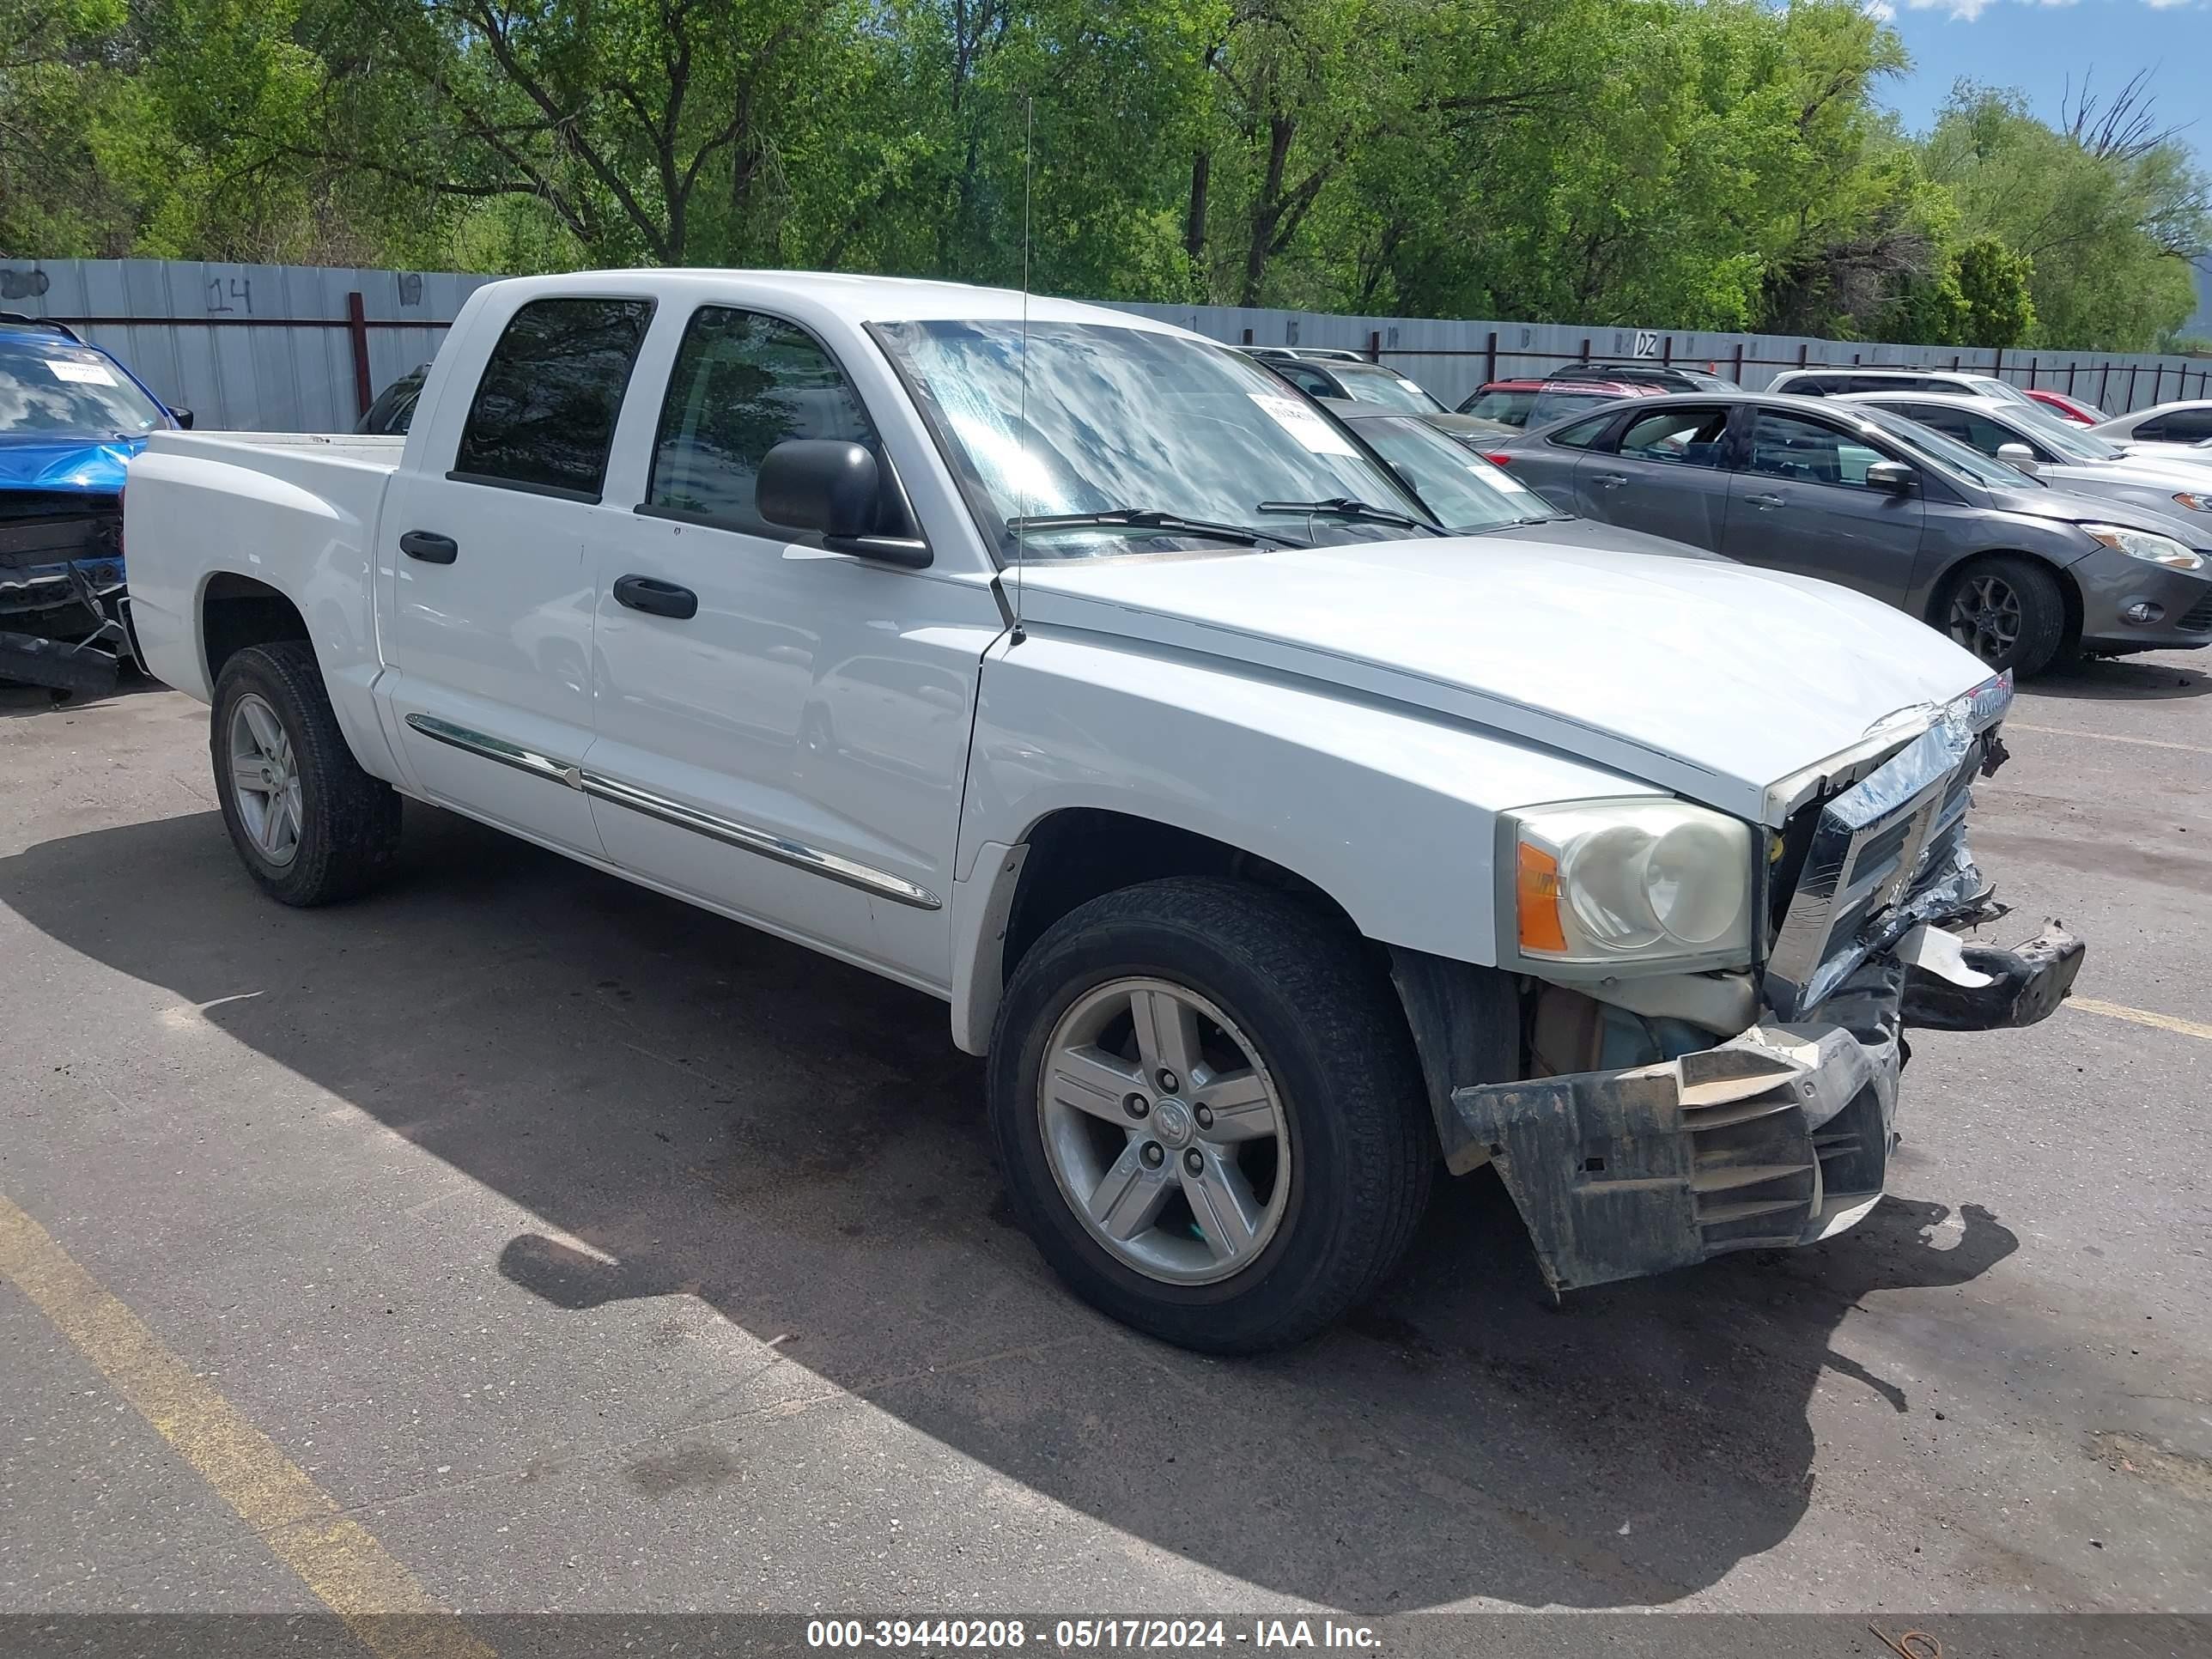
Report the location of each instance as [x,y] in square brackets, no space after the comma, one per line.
[92,466]
[1712,679]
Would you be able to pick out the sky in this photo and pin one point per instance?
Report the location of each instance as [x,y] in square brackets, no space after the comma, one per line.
[2034,44]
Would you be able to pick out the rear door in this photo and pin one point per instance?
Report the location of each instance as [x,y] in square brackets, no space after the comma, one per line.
[1663,476]
[487,690]
[1802,503]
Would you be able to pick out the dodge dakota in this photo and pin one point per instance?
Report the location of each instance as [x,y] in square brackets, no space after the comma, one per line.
[1276,845]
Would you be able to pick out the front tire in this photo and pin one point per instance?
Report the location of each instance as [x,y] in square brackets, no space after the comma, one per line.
[310,826]
[1208,1110]
[2011,612]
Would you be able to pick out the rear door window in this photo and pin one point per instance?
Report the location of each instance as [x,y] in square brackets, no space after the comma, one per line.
[1679,437]
[742,383]
[545,412]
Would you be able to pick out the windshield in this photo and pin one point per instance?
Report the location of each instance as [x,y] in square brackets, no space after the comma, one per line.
[1121,419]
[1386,389]
[1463,490]
[54,388]
[2072,442]
[1984,470]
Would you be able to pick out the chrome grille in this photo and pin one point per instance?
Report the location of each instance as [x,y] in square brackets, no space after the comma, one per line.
[1879,843]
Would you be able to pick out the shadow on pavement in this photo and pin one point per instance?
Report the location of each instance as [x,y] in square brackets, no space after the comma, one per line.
[725,1115]
[2122,679]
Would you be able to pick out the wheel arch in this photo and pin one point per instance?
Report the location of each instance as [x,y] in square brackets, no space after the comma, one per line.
[236,611]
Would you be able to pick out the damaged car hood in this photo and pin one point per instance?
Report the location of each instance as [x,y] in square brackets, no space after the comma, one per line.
[1713,679]
[93,466]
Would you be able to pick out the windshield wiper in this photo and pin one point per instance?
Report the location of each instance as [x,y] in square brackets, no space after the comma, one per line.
[1145,517]
[1343,506]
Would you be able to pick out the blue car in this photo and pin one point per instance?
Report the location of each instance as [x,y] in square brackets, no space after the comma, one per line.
[71,417]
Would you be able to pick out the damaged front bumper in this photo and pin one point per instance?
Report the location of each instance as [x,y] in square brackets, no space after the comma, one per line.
[1779,1136]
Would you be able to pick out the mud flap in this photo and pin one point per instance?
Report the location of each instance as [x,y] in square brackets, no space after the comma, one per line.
[1777,1137]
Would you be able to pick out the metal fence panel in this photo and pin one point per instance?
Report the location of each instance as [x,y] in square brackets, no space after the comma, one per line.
[272,348]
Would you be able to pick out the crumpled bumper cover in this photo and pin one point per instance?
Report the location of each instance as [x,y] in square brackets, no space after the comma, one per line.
[1779,1136]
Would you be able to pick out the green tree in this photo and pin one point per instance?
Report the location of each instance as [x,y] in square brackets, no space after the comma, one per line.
[1993,286]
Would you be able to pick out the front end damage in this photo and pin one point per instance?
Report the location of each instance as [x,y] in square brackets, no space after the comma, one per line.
[64,613]
[1780,1135]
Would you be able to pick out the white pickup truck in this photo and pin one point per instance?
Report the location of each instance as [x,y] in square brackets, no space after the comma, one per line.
[1274,844]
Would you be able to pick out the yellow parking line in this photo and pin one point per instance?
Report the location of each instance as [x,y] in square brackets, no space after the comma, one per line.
[2140,1017]
[381,1603]
[2106,737]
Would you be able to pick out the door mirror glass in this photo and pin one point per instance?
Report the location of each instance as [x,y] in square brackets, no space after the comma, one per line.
[1895,476]
[183,417]
[820,485]
[2019,455]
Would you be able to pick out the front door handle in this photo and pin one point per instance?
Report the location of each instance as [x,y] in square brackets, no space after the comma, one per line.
[656,598]
[1610,480]
[1764,501]
[429,547]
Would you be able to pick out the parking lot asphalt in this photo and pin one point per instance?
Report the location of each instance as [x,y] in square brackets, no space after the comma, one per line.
[582,1251]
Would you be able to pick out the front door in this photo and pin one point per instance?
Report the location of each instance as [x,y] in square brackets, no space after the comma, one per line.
[783,730]
[1802,503]
[488,691]
[1665,476]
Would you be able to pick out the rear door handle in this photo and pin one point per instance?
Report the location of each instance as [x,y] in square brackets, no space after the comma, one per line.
[656,598]
[429,547]
[1764,501]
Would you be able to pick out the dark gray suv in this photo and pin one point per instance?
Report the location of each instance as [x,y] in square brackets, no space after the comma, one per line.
[2018,572]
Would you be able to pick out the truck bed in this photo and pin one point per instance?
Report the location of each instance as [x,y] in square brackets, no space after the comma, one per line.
[304,507]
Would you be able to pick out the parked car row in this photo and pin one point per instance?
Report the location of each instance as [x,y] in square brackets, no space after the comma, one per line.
[1955,497]
[1274,838]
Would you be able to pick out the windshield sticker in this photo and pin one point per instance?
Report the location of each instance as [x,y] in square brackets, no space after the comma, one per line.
[80,374]
[1499,477]
[1304,424]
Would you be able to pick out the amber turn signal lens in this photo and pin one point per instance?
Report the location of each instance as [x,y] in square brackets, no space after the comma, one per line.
[1536,888]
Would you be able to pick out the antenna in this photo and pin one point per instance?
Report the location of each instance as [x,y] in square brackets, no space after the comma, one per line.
[1022,528]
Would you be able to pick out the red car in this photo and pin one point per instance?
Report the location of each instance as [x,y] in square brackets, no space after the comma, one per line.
[2066,408]
[1527,403]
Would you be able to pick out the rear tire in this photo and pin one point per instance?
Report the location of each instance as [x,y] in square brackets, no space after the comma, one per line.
[1284,1003]
[2011,612]
[310,826]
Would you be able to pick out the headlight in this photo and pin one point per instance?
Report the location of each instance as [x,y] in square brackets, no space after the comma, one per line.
[2142,544]
[1620,882]
[2193,501]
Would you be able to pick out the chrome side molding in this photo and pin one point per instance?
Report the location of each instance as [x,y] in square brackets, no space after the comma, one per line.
[496,749]
[879,883]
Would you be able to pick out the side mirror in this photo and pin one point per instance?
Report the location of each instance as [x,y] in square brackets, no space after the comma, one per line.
[2019,455]
[183,417]
[833,489]
[1892,476]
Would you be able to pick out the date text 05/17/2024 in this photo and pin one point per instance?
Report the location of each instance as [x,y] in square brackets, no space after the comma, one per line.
[1087,1635]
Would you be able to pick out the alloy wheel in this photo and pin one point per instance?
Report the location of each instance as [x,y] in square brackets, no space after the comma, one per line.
[1166,1135]
[264,779]
[1985,616]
